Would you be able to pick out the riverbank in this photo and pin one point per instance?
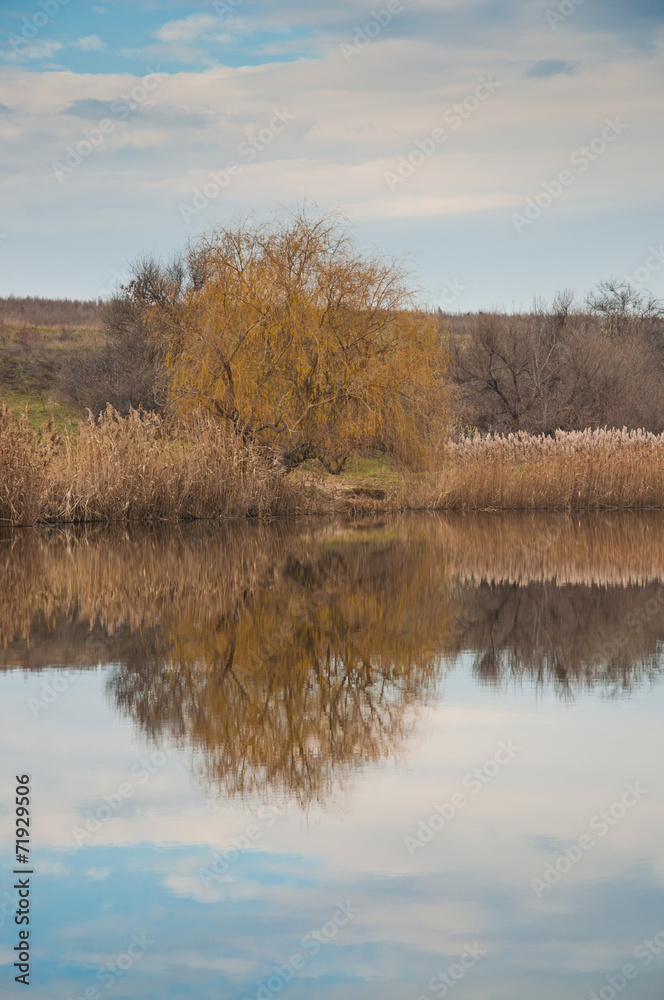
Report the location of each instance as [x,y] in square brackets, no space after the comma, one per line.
[138,469]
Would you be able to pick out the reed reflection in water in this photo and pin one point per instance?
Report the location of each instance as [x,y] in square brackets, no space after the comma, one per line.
[288,655]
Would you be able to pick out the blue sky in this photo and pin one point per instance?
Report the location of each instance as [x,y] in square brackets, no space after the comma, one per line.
[139,872]
[340,105]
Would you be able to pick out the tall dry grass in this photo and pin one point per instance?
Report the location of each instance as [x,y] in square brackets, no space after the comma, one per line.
[140,468]
[133,468]
[585,470]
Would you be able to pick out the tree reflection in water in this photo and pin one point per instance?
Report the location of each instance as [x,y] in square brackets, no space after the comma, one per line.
[286,656]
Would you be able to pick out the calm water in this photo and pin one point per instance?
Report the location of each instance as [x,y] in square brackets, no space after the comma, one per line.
[405,759]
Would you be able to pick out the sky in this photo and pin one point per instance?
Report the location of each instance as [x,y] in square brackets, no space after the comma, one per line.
[146,868]
[506,148]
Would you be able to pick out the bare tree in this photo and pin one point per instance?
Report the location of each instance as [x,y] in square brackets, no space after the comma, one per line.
[126,372]
[557,367]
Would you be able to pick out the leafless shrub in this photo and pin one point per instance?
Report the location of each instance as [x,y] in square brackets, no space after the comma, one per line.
[560,369]
[125,373]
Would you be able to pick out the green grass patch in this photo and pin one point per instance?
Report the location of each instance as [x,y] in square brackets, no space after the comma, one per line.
[40,407]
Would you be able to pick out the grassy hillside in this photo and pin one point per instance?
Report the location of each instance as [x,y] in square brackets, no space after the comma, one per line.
[36,335]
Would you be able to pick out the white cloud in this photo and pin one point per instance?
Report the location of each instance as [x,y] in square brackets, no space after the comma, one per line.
[51,868]
[45,49]
[189,29]
[90,43]
[97,874]
[355,121]
[196,962]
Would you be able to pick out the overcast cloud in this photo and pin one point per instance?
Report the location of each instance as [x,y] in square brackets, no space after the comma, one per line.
[185,89]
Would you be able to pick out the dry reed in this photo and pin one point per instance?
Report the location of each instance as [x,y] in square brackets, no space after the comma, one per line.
[138,468]
[132,468]
[584,470]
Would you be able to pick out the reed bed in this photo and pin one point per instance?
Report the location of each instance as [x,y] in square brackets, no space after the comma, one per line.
[134,468]
[573,470]
[139,468]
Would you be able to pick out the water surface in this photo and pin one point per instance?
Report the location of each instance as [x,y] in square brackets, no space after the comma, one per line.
[338,759]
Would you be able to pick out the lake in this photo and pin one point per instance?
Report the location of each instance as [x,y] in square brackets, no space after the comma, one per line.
[403,757]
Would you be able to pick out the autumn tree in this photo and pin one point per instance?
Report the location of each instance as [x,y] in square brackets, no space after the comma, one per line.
[302,342]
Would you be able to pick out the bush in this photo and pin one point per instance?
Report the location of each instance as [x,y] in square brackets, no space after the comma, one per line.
[125,374]
[559,369]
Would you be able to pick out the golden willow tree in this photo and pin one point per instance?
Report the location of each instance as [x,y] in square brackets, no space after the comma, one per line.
[300,341]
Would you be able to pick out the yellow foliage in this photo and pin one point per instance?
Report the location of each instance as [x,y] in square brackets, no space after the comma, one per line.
[301,342]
